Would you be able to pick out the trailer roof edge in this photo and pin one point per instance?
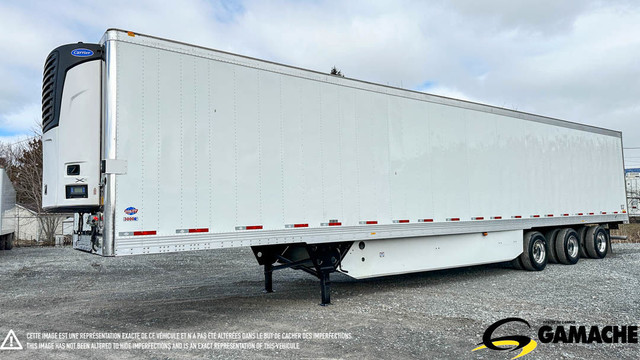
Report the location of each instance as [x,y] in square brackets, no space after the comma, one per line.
[444,100]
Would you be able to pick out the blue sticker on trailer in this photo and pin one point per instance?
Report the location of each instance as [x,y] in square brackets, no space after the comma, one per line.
[130,210]
[82,52]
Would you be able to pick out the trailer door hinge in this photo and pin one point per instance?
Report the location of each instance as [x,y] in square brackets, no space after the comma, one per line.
[114,166]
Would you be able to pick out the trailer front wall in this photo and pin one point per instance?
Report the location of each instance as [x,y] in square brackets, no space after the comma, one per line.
[218,142]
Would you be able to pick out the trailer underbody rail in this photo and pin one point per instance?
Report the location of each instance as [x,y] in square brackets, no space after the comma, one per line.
[319,260]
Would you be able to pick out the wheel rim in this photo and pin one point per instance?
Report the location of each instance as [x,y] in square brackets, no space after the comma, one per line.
[573,246]
[601,242]
[539,252]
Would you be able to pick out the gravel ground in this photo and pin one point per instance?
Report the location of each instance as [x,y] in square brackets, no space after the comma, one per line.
[435,315]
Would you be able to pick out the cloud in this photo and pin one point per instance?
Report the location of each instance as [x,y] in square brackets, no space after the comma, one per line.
[16,123]
[575,60]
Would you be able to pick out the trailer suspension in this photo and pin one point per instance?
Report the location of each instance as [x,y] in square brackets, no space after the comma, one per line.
[319,260]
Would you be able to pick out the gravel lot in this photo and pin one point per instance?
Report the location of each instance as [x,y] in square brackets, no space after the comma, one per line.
[436,315]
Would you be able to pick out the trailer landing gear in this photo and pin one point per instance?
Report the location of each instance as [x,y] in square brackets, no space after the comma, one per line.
[268,277]
[319,260]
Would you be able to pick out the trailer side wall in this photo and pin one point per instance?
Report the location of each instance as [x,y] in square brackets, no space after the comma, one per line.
[218,142]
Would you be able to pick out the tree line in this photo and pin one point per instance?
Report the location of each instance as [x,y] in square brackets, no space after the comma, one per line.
[22,162]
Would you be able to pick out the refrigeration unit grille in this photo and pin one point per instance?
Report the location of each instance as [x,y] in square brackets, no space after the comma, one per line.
[48,91]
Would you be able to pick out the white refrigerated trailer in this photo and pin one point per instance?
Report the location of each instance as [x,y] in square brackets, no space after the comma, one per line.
[7,211]
[164,146]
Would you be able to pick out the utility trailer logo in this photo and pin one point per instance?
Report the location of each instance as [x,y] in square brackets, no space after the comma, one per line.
[81,52]
[130,211]
[557,332]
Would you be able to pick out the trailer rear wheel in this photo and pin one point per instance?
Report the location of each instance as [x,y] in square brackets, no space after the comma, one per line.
[568,246]
[550,235]
[2,242]
[583,233]
[534,256]
[596,242]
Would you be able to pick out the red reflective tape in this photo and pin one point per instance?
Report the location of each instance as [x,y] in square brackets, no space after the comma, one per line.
[518,217]
[580,214]
[535,216]
[254,227]
[497,217]
[300,225]
[427,220]
[136,233]
[370,222]
[403,221]
[478,218]
[335,224]
[590,213]
[603,212]
[615,212]
[454,219]
[565,214]
[199,230]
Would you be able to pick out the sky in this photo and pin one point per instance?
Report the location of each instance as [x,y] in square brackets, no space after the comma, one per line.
[577,60]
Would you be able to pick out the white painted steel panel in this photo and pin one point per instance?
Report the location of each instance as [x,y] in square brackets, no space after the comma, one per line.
[214,140]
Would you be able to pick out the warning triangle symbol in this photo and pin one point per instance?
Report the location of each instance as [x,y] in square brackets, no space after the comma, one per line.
[11,342]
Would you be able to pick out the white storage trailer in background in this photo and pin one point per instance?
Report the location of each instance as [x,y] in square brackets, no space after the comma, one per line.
[165,146]
[633,193]
[7,211]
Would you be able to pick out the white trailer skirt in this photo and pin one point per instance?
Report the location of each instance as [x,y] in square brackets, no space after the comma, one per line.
[374,258]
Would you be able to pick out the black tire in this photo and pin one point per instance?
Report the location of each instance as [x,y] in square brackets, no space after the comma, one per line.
[596,242]
[2,242]
[8,242]
[568,246]
[582,232]
[534,255]
[516,263]
[550,235]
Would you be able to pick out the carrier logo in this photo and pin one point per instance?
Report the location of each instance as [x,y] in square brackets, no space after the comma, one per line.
[130,210]
[507,343]
[81,52]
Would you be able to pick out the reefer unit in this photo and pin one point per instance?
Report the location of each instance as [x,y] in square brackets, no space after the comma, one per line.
[164,146]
